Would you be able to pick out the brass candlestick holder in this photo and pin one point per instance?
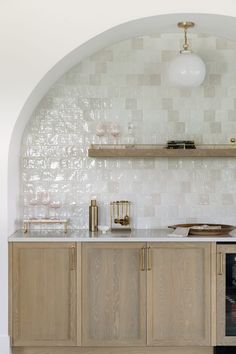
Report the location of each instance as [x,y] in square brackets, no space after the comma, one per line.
[120,215]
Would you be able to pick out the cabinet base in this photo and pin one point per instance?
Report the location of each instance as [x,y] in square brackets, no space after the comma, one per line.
[113,350]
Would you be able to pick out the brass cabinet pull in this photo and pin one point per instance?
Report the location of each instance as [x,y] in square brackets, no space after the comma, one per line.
[149,258]
[221,270]
[72,258]
[142,258]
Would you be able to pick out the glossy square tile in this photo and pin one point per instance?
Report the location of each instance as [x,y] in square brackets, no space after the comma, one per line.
[127,83]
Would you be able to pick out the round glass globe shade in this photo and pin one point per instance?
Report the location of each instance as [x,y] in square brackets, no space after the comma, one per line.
[186,70]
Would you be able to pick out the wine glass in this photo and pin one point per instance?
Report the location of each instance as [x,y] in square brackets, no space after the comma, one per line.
[34,202]
[45,200]
[115,132]
[131,138]
[55,205]
[101,131]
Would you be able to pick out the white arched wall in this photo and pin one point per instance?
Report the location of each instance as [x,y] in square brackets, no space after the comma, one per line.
[205,23]
[35,36]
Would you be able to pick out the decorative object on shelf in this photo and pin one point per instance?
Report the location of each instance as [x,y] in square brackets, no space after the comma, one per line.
[55,205]
[103,228]
[130,137]
[101,130]
[120,215]
[233,140]
[93,216]
[115,132]
[181,144]
[107,130]
[206,229]
[42,202]
[45,200]
[34,202]
[187,69]
[27,222]
[155,150]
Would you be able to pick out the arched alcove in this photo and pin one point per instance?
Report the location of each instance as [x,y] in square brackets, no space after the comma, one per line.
[217,25]
[205,23]
[125,86]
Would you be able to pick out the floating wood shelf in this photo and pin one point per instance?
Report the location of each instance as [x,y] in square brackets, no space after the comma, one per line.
[143,151]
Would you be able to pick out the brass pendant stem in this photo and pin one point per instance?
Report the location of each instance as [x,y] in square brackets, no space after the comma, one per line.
[186,45]
[185,25]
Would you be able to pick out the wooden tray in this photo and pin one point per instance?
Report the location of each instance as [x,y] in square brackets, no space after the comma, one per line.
[224,231]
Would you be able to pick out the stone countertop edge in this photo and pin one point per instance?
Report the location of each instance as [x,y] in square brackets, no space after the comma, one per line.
[136,235]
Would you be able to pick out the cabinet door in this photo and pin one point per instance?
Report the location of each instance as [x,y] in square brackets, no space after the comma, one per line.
[113,295]
[226,295]
[44,294]
[179,294]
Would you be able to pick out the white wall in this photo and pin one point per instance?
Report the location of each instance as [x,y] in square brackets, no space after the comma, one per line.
[34,36]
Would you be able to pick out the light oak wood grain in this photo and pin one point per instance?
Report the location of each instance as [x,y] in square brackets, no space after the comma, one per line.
[180,286]
[44,294]
[179,294]
[221,338]
[113,295]
[155,151]
[121,350]
[79,292]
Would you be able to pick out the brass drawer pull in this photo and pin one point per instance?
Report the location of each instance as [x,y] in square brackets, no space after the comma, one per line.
[142,258]
[221,267]
[72,258]
[149,258]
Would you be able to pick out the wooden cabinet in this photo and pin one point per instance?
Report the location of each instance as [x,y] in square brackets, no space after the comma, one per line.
[179,294]
[117,294]
[114,294]
[44,294]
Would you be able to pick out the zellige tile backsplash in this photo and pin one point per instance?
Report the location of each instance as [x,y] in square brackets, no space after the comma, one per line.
[127,84]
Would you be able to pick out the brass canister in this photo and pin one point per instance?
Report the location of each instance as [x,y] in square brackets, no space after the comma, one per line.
[93,216]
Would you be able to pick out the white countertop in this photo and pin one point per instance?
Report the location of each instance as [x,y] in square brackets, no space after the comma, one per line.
[150,235]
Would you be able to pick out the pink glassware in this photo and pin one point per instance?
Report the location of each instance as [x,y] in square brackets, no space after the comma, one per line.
[115,131]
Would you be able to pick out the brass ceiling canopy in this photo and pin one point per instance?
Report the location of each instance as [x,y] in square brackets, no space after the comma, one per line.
[185,25]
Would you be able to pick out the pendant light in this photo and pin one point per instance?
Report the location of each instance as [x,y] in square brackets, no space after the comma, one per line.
[186,69]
